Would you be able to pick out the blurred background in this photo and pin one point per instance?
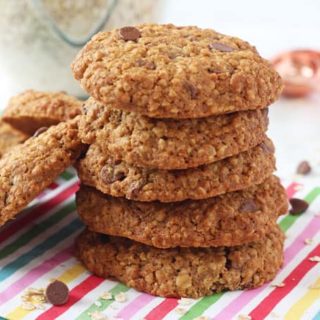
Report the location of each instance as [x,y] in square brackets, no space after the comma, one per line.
[39,39]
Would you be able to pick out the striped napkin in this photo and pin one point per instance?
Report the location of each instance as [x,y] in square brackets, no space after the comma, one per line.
[38,247]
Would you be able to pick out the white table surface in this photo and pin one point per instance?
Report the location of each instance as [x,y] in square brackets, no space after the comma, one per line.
[273,26]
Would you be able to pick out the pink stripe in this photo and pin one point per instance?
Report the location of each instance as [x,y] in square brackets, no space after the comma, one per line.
[133,307]
[30,277]
[292,189]
[244,298]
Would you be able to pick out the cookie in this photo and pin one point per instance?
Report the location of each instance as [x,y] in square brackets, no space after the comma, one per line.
[182,272]
[29,168]
[9,137]
[31,110]
[97,169]
[230,219]
[170,144]
[175,72]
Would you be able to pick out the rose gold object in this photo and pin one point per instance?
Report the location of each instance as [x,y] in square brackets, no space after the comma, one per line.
[300,71]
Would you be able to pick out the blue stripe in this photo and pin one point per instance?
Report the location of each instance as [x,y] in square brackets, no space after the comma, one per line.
[317,316]
[37,251]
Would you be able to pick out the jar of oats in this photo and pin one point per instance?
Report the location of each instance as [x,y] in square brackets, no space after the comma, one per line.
[39,38]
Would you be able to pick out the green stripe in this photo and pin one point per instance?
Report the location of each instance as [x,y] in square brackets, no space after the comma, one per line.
[40,249]
[66,175]
[201,306]
[37,229]
[85,315]
[289,220]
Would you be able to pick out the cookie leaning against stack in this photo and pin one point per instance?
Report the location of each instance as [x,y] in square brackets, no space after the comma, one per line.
[177,188]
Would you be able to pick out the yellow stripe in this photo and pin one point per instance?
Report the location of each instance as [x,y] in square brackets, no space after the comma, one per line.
[299,308]
[67,277]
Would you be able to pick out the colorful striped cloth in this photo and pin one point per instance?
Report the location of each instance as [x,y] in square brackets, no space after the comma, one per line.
[38,247]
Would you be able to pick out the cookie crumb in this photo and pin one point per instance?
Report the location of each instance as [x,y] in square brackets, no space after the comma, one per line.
[315,259]
[308,241]
[202,318]
[278,285]
[33,299]
[98,303]
[97,315]
[28,306]
[106,296]
[244,317]
[303,168]
[120,297]
[180,310]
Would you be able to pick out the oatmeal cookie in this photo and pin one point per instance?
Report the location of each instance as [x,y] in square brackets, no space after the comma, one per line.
[31,110]
[170,144]
[29,168]
[99,170]
[182,272]
[165,71]
[230,219]
[9,137]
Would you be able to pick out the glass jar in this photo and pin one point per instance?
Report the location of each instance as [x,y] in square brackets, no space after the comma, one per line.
[40,38]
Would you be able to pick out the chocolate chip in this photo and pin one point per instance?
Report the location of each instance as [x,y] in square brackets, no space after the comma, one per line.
[298,206]
[109,174]
[147,64]
[267,147]
[39,131]
[191,89]
[220,47]
[57,293]
[248,206]
[104,238]
[129,33]
[304,168]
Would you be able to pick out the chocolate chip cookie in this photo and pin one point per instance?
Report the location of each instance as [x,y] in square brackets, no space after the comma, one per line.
[9,137]
[170,144]
[165,71]
[31,110]
[230,219]
[182,272]
[97,169]
[29,168]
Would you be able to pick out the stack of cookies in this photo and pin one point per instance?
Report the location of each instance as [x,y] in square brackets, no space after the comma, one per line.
[177,188]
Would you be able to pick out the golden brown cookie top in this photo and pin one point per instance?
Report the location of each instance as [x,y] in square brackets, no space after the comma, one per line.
[175,72]
[31,110]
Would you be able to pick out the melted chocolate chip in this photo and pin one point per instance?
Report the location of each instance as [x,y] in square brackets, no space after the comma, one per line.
[109,174]
[129,33]
[298,206]
[248,206]
[147,64]
[220,47]
[193,91]
[57,293]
